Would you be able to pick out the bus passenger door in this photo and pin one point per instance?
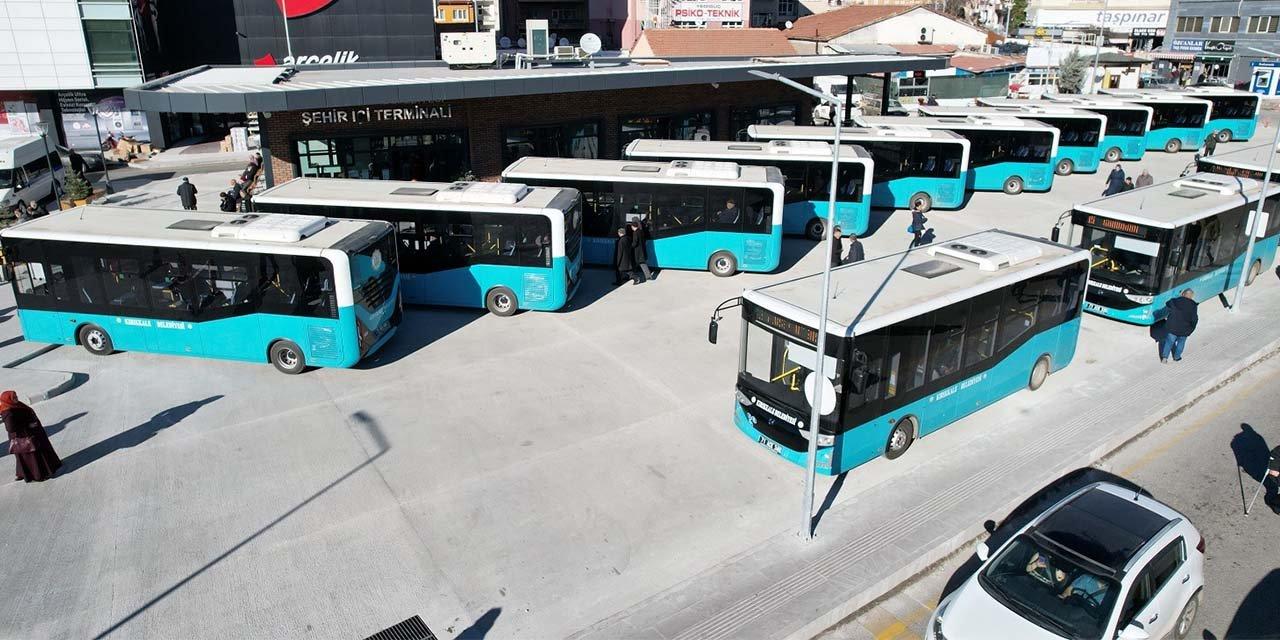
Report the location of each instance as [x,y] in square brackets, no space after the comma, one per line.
[172,292]
[225,297]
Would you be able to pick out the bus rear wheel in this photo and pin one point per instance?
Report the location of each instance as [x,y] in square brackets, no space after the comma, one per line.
[95,340]
[287,357]
[1039,373]
[900,438]
[1113,154]
[501,302]
[813,230]
[723,264]
[1065,167]
[1224,135]
[1013,186]
[922,200]
[1173,146]
[1254,272]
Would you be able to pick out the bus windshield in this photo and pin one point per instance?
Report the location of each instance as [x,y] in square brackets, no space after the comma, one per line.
[1050,589]
[777,365]
[373,282]
[1122,259]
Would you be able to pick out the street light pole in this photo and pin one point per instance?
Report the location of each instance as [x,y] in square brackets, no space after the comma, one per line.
[102,153]
[1097,46]
[819,375]
[53,179]
[1256,217]
[288,44]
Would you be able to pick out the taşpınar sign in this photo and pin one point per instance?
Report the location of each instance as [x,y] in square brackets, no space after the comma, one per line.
[373,115]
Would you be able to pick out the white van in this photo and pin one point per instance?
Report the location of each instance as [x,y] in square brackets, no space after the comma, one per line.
[24,170]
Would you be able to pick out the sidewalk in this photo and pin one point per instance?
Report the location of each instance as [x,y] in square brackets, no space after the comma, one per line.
[192,156]
[891,520]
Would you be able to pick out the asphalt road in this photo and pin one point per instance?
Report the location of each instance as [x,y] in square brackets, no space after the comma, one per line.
[1205,463]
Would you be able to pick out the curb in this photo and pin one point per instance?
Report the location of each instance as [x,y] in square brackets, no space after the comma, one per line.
[969,535]
[69,381]
[30,356]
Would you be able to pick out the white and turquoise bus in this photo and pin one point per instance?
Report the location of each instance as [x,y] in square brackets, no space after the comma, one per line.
[295,291]
[1178,122]
[1250,162]
[1127,123]
[1150,244]
[806,167]
[503,247]
[1080,132]
[1005,154]
[913,167]
[719,216]
[915,341]
[1235,113]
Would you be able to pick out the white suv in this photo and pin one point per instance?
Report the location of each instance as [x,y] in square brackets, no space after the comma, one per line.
[1103,563]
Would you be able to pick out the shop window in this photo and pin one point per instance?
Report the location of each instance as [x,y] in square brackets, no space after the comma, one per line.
[689,126]
[1224,24]
[740,119]
[913,87]
[441,156]
[111,44]
[1191,24]
[568,140]
[1264,24]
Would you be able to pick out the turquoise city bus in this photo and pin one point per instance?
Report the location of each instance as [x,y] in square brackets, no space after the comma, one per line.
[1178,122]
[1235,113]
[718,216]
[1079,132]
[1005,154]
[1250,162]
[913,167]
[1127,123]
[295,291]
[806,168]
[915,341]
[1150,244]
[503,247]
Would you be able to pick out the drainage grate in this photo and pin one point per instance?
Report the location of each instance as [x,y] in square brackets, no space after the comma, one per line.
[412,629]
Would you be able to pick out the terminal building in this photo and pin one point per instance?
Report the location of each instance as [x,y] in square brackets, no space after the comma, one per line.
[426,121]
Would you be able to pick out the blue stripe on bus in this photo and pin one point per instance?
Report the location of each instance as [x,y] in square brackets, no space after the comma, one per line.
[1131,147]
[1190,137]
[866,442]
[850,216]
[535,288]
[947,193]
[325,342]
[753,251]
[1241,128]
[1084,159]
[1036,176]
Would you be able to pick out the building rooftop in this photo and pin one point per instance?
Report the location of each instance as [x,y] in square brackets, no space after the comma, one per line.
[979,63]
[833,24]
[240,89]
[875,293]
[925,49]
[1169,205]
[685,43]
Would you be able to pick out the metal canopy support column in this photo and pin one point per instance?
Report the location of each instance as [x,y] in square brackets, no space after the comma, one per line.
[848,102]
[884,94]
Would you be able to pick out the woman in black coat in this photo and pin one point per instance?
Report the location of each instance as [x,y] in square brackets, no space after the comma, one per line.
[639,251]
[623,258]
[28,442]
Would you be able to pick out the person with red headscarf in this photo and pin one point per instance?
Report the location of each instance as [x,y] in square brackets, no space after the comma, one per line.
[28,442]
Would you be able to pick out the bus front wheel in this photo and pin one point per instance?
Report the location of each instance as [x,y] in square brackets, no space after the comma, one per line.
[900,438]
[1013,186]
[1254,272]
[96,340]
[501,302]
[723,264]
[1039,373]
[1065,167]
[922,200]
[287,357]
[813,230]
[1224,135]
[1113,154]
[1173,146]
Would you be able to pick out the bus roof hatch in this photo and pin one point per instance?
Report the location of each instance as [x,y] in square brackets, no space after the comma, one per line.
[990,251]
[272,227]
[1224,185]
[782,147]
[484,192]
[704,169]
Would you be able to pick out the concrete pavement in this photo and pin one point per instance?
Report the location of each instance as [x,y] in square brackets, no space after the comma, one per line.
[560,474]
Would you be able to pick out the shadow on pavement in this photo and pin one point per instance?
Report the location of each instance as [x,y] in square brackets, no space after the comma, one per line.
[832,492]
[1258,615]
[481,627]
[51,429]
[421,327]
[1251,453]
[133,436]
[1028,510]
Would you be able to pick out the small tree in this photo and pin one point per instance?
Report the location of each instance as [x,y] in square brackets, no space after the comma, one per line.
[1071,71]
[76,187]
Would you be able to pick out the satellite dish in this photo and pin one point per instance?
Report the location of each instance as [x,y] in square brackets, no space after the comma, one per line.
[505,42]
[790,24]
[564,42]
[590,44]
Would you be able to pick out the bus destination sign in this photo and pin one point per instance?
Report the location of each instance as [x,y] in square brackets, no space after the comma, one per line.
[1119,226]
[1238,172]
[780,324]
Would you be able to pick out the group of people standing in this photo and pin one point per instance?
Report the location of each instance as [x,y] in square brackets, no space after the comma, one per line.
[631,255]
[24,211]
[839,255]
[237,197]
[1118,182]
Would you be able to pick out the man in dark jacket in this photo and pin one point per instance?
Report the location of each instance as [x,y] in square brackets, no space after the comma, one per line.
[917,224]
[623,259]
[639,252]
[1211,143]
[1179,323]
[187,192]
[837,246]
[856,253]
[1115,181]
[226,202]
[77,162]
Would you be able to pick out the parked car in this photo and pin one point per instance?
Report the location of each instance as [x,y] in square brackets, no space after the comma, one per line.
[1105,562]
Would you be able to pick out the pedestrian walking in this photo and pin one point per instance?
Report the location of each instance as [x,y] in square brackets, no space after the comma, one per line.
[1128,184]
[1273,474]
[1179,324]
[1144,179]
[77,162]
[623,259]
[36,461]
[837,246]
[917,224]
[1115,181]
[856,253]
[639,251]
[187,193]
[1210,143]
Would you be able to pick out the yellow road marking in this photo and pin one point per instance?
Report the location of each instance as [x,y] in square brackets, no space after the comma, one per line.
[893,631]
[901,627]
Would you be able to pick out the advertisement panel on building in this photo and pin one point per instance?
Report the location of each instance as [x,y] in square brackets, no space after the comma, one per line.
[709,12]
[113,120]
[334,31]
[1113,20]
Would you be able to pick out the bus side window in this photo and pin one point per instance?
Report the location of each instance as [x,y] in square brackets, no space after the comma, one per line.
[946,339]
[122,282]
[758,211]
[316,287]
[30,278]
[1017,315]
[908,343]
[726,209]
[1272,208]
[794,178]
[1048,289]
[850,183]
[277,284]
[169,282]
[980,341]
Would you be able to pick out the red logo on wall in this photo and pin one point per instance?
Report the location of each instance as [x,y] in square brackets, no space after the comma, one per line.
[299,8]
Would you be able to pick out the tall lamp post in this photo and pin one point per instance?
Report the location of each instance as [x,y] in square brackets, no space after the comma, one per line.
[102,153]
[1097,46]
[818,377]
[43,128]
[1256,217]
[288,43]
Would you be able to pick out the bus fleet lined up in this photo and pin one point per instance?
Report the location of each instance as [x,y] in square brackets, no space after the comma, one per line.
[316,278]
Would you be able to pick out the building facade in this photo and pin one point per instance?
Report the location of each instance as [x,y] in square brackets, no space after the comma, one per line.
[1217,36]
[1129,24]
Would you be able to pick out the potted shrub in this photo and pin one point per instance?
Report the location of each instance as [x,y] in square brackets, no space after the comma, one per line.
[78,190]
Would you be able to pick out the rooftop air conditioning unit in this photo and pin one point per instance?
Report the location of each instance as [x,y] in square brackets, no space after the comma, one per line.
[989,251]
[469,49]
[1214,183]
[484,192]
[903,132]
[806,147]
[704,169]
[273,227]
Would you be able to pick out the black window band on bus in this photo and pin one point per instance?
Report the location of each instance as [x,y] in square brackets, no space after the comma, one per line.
[897,159]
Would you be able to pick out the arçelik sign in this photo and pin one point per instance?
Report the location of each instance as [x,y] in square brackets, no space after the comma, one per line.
[709,12]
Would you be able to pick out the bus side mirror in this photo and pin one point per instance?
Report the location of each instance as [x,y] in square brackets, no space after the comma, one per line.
[1053,235]
[712,329]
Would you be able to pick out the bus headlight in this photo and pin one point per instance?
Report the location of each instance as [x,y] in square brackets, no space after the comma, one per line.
[742,398]
[826,440]
[1140,299]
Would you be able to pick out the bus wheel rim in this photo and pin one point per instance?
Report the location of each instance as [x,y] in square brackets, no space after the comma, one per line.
[288,358]
[502,301]
[898,439]
[722,264]
[95,339]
